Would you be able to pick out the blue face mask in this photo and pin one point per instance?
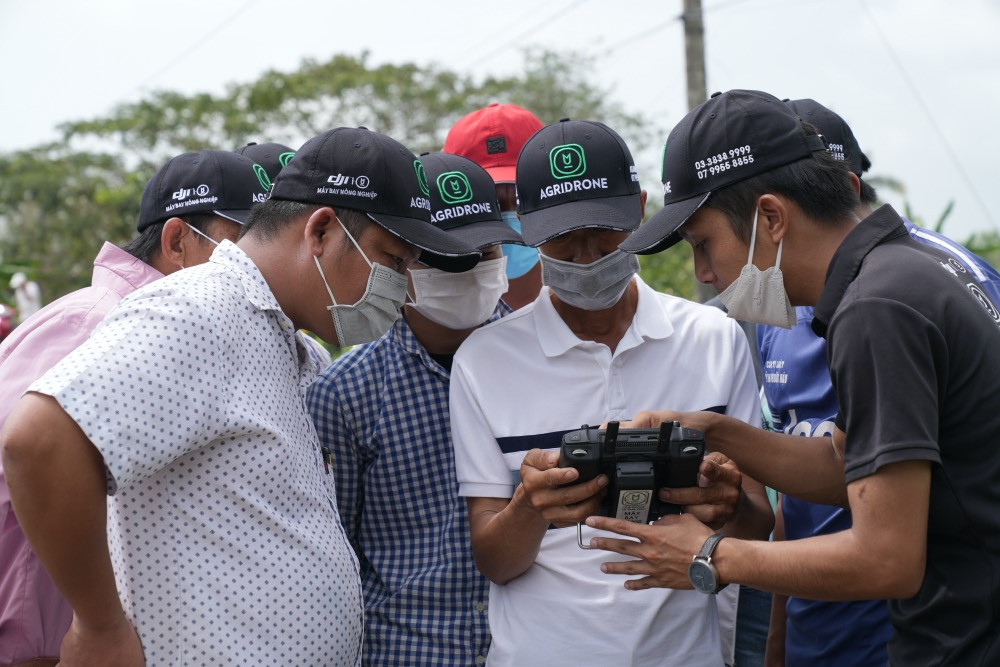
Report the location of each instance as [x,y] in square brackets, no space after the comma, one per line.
[520,259]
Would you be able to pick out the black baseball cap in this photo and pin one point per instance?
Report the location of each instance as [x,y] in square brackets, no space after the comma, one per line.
[464,201]
[272,157]
[355,168]
[576,174]
[208,181]
[729,138]
[839,138]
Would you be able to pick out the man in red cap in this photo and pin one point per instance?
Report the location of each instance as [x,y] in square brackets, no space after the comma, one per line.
[492,137]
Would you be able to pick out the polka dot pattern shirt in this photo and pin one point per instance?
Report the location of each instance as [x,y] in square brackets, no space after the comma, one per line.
[222,522]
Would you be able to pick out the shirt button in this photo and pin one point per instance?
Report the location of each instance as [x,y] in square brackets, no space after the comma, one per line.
[480,606]
[480,660]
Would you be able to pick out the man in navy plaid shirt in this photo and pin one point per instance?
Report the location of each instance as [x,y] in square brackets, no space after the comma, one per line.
[382,412]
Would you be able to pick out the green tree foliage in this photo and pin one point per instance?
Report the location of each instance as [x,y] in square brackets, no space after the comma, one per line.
[670,271]
[59,202]
[56,209]
[986,245]
[412,103]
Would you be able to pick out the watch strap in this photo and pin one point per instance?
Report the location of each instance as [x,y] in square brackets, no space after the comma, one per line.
[709,547]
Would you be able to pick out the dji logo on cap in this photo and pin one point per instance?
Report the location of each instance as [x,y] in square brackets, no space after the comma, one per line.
[361,182]
[184,193]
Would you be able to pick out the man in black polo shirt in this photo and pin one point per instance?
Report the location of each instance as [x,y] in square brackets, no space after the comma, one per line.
[914,351]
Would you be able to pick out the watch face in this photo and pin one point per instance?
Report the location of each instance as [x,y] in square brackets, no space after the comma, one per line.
[702,576]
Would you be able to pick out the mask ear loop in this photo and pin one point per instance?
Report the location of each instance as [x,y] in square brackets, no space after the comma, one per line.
[367,261]
[412,299]
[753,236]
[320,268]
[202,234]
[326,284]
[753,242]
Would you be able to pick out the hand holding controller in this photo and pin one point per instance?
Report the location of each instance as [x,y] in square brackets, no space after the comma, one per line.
[638,462]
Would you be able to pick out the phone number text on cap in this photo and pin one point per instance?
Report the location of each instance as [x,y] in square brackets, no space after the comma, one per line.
[720,162]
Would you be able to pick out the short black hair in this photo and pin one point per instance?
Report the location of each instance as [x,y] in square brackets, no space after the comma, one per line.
[868,195]
[820,185]
[270,217]
[146,246]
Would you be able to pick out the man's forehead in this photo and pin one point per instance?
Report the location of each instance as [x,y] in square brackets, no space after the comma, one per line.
[703,221]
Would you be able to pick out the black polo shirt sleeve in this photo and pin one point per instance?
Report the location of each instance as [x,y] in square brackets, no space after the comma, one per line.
[885,360]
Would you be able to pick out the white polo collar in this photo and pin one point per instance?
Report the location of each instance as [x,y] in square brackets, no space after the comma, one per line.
[651,321]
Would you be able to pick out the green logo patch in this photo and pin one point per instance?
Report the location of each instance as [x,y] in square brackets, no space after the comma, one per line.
[567,161]
[454,187]
[421,178]
[262,177]
[285,158]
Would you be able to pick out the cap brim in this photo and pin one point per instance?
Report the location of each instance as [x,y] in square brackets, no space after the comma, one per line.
[478,235]
[239,216]
[622,213]
[660,232]
[504,174]
[441,249]
[485,233]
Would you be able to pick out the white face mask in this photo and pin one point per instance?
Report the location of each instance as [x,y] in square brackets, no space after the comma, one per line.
[372,315]
[759,296]
[459,300]
[593,286]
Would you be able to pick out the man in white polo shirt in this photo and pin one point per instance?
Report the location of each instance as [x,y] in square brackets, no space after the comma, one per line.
[186,407]
[596,345]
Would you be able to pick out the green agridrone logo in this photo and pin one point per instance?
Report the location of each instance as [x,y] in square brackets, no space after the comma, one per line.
[285,158]
[454,187]
[262,177]
[421,178]
[567,161]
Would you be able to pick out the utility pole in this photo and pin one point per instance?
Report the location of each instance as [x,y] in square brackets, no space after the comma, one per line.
[697,92]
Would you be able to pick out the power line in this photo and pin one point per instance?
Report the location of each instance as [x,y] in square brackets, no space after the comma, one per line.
[530,31]
[660,26]
[204,39]
[640,35]
[722,5]
[930,116]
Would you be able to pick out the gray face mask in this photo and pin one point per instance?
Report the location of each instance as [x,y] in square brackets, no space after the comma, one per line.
[759,296]
[593,286]
[376,310]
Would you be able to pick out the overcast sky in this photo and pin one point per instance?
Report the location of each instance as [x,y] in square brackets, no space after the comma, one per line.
[918,80]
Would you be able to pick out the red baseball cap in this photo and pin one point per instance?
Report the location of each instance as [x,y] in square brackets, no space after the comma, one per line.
[492,137]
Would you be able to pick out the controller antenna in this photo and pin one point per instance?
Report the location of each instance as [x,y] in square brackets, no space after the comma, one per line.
[610,438]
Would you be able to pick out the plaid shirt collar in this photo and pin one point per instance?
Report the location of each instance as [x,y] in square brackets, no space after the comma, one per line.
[403,335]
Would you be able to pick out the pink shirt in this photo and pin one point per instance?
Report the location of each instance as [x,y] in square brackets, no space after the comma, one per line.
[33,615]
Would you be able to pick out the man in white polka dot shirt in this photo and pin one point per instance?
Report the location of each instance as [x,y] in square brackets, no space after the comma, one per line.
[180,425]
[34,616]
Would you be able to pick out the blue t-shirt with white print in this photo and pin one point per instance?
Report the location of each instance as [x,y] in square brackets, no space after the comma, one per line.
[796,383]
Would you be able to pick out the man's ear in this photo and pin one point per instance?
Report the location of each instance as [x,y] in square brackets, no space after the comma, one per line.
[171,246]
[321,230]
[772,218]
[856,184]
[642,203]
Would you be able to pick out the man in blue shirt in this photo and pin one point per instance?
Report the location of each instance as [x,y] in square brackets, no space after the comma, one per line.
[381,412]
[802,402]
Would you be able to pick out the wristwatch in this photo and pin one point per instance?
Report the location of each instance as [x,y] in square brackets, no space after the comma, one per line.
[703,574]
